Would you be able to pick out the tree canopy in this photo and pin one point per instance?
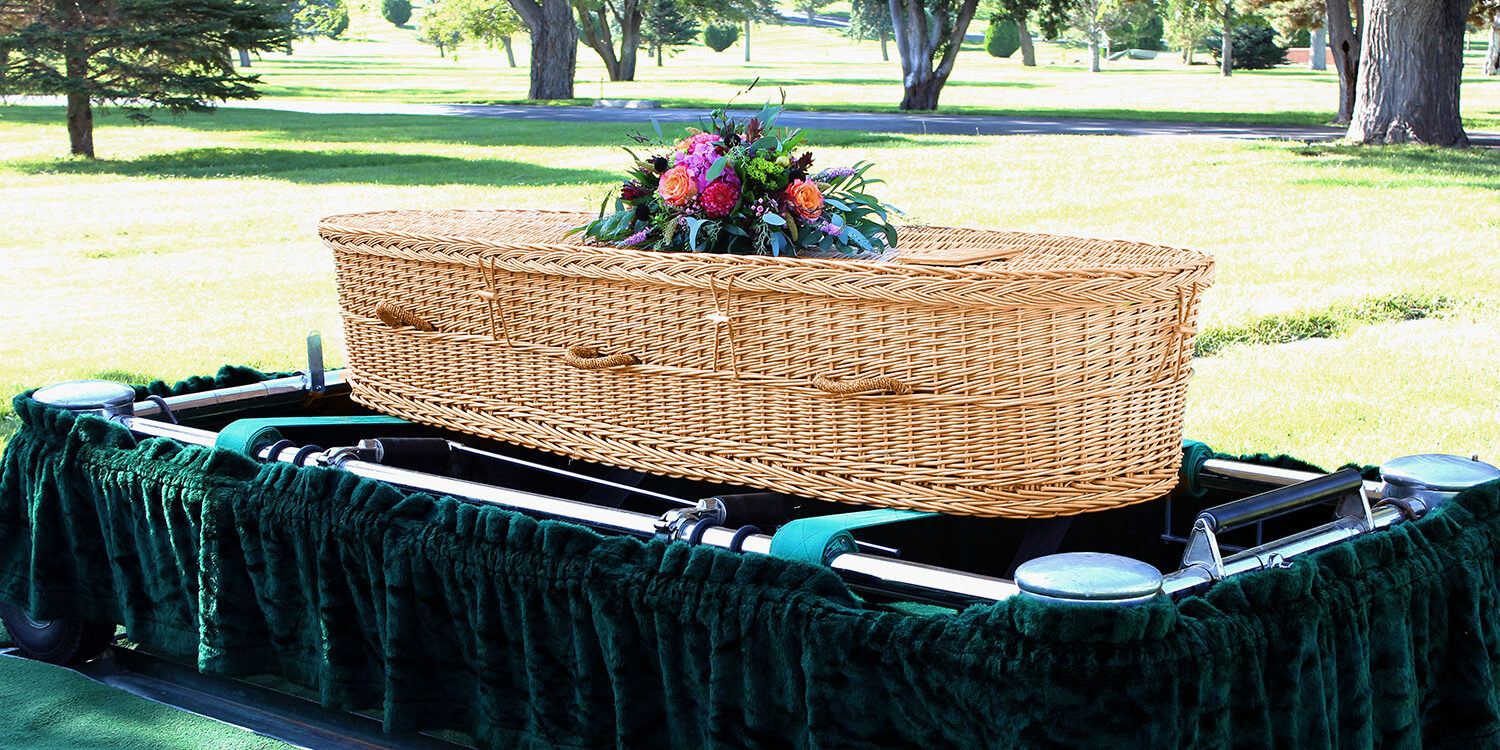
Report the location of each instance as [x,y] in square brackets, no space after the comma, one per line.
[142,53]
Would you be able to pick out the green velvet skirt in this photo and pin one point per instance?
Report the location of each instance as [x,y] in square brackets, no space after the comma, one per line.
[526,633]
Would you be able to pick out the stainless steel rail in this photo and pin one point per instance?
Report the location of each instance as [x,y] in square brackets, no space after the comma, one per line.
[869,572]
[294,385]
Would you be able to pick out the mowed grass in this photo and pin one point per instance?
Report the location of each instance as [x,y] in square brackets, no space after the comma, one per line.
[191,243]
[821,69]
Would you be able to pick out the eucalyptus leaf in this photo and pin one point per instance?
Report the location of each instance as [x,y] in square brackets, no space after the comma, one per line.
[736,231]
[840,205]
[859,238]
[766,143]
[717,169]
[773,219]
[657,126]
[693,225]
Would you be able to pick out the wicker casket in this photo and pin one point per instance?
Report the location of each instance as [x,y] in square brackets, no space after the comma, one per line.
[983,372]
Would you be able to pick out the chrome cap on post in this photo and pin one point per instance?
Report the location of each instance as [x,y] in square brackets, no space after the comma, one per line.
[1433,478]
[105,398]
[1089,577]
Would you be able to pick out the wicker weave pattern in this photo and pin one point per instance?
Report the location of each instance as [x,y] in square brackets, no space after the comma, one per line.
[1048,381]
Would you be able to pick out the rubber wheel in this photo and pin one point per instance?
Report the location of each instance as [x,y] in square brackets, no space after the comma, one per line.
[55,641]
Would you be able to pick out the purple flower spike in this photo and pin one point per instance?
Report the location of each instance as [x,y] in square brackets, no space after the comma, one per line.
[833,173]
[635,238]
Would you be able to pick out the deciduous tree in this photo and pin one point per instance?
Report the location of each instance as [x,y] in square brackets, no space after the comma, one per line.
[1187,22]
[1486,14]
[314,18]
[612,28]
[928,36]
[1409,78]
[554,46]
[1094,18]
[871,19]
[143,53]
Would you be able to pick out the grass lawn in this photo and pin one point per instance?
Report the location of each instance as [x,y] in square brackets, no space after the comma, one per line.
[191,243]
[821,69]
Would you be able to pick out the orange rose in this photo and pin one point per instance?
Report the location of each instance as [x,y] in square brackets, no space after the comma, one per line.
[805,199]
[677,186]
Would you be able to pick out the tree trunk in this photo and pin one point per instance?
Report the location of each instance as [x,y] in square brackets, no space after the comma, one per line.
[1226,44]
[1409,81]
[1093,54]
[1317,54]
[747,39]
[510,52]
[810,15]
[1028,51]
[597,25]
[885,53]
[80,110]
[658,55]
[244,58]
[80,125]
[916,45]
[922,95]
[1492,58]
[554,46]
[1343,35]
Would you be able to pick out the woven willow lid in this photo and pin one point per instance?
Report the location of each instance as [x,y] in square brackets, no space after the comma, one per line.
[932,246]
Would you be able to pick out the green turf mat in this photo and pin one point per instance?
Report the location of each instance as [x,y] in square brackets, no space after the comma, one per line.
[46,707]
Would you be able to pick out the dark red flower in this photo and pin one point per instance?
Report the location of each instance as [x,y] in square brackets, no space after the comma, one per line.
[719,198]
[633,190]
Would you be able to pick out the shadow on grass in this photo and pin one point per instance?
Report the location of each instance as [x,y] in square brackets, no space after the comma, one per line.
[306,130]
[323,167]
[1401,166]
[894,80]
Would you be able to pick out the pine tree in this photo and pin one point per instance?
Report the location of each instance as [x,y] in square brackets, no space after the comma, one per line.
[667,27]
[163,53]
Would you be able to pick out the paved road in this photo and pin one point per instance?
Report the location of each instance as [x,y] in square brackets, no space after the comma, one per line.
[872,122]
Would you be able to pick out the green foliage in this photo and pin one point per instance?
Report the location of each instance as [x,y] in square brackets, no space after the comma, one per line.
[1254,48]
[869,19]
[1330,322]
[446,24]
[1185,23]
[1140,27]
[665,27]
[1002,38]
[743,188]
[440,28]
[719,37]
[398,12]
[141,53]
[315,18]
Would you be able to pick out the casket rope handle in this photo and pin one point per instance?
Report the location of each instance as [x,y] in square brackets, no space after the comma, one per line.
[876,385]
[590,358]
[395,315]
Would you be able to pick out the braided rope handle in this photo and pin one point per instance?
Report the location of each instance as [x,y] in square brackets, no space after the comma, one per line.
[883,384]
[394,315]
[590,358]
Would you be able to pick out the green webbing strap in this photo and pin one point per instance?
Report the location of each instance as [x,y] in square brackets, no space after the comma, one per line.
[1194,454]
[248,436]
[818,540]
